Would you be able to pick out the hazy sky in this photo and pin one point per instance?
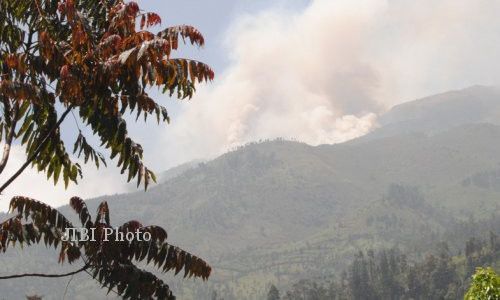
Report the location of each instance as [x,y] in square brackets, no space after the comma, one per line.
[319,71]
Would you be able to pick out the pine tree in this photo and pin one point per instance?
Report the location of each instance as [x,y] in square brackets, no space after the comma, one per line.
[274,293]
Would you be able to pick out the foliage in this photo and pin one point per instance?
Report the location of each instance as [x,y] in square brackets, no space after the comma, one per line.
[389,274]
[274,293]
[111,261]
[291,182]
[95,57]
[485,285]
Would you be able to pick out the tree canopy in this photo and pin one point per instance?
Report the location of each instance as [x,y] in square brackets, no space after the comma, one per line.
[95,59]
[485,285]
[108,258]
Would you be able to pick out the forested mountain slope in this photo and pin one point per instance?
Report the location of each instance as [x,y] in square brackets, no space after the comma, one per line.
[279,211]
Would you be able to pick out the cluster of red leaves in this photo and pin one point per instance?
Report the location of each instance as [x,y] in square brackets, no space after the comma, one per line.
[150,19]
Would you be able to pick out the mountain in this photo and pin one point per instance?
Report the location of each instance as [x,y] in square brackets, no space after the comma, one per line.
[178,170]
[477,104]
[277,192]
[278,211]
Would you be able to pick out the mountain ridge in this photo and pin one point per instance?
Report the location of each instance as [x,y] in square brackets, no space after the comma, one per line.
[276,210]
[433,114]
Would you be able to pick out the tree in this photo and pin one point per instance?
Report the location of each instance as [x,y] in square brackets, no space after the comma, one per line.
[274,293]
[485,285]
[359,279]
[94,59]
[108,255]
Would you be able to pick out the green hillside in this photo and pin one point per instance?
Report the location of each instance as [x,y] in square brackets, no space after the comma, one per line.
[279,211]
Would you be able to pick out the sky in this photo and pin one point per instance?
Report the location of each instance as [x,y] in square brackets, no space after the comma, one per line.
[318,71]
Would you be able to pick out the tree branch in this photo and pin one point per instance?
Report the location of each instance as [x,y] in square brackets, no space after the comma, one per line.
[10,134]
[9,138]
[45,275]
[37,150]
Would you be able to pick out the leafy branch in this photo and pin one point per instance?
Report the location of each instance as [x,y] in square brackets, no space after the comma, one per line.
[37,150]
[107,259]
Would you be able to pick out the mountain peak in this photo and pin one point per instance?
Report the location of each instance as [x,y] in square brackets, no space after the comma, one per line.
[437,113]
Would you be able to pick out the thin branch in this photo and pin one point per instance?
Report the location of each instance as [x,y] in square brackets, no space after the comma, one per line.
[40,11]
[6,149]
[66,289]
[76,121]
[9,138]
[45,275]
[37,150]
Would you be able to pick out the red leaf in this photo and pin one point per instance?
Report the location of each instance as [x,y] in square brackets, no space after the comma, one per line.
[64,72]
[11,61]
[132,8]
[61,7]
[143,21]
[153,19]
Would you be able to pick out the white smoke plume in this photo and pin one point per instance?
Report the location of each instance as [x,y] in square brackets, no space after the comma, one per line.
[319,75]
[322,75]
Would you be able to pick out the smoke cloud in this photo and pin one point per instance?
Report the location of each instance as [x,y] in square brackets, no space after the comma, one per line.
[322,75]
[319,75]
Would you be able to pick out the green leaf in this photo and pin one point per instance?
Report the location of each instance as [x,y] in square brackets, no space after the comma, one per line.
[57,170]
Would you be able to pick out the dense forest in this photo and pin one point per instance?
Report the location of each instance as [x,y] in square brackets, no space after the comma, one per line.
[388,274]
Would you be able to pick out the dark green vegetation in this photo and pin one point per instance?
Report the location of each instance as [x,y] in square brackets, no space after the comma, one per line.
[274,293]
[390,274]
[107,257]
[277,212]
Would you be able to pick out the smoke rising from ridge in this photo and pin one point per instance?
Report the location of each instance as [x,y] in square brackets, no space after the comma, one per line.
[319,75]
[322,75]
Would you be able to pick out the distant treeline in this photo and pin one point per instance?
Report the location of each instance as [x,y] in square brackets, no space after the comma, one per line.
[387,274]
